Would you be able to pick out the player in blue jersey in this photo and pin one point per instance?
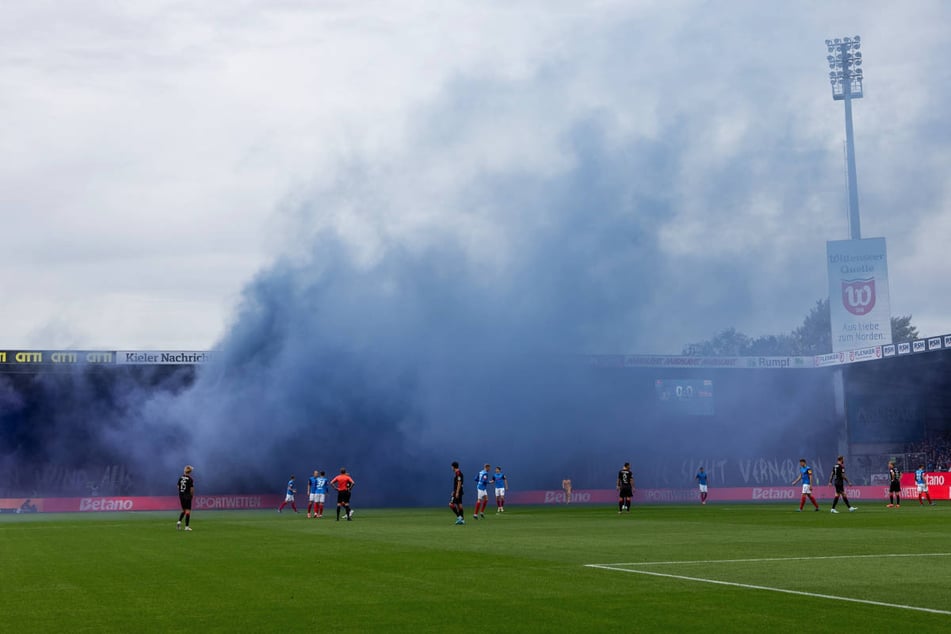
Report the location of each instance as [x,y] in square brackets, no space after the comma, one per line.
[482,492]
[701,479]
[922,482]
[320,494]
[805,476]
[500,485]
[289,494]
[312,494]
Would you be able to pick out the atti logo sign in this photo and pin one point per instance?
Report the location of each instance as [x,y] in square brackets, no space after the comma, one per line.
[858,296]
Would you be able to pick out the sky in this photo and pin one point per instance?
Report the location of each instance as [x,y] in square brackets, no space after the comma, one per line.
[645,174]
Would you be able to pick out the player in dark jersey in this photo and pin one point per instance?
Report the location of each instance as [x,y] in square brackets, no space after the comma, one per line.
[625,488]
[838,479]
[455,498]
[186,490]
[894,486]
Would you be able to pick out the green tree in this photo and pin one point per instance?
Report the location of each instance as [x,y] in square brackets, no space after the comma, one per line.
[902,330]
[812,337]
[727,343]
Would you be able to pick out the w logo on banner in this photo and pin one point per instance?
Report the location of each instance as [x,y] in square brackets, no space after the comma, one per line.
[858,296]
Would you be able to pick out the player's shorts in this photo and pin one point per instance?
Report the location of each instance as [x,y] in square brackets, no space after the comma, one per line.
[839,487]
[343,497]
[453,499]
[923,487]
[320,498]
[894,487]
[626,492]
[289,497]
[186,501]
[807,489]
[703,488]
[500,492]
[482,494]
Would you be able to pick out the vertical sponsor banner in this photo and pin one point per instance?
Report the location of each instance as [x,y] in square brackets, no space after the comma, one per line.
[858,294]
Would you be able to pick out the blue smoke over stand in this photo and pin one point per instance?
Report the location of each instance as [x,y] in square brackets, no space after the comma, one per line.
[395,359]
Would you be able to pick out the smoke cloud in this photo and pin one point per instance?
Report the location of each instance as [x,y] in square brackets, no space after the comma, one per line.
[430,303]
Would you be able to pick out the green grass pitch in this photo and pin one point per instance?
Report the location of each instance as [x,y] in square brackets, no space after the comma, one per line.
[527,570]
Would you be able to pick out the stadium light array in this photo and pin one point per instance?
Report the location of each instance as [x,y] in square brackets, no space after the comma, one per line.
[845,75]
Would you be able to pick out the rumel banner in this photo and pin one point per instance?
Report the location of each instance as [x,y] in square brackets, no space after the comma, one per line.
[858,294]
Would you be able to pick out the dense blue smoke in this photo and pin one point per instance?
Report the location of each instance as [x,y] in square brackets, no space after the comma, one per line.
[431,351]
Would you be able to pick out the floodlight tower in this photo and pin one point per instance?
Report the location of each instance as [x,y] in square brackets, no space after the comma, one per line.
[845,75]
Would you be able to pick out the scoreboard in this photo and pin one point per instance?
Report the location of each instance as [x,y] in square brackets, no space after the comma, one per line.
[686,396]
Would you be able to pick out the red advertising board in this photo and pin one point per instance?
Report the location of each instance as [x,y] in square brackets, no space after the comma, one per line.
[939,485]
[136,503]
[856,494]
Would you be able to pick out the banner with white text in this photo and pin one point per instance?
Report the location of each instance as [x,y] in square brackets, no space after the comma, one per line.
[858,294]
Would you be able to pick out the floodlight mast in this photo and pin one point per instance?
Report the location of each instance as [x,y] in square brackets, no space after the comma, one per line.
[845,75]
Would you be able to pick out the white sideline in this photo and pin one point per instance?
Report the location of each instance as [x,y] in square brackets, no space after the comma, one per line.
[771,589]
[730,561]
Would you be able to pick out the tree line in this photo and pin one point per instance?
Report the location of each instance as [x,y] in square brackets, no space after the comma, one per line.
[812,337]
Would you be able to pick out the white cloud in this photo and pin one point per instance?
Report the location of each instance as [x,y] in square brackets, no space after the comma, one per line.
[156,155]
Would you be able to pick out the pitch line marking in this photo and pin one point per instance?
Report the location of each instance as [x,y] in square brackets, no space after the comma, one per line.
[750,586]
[731,561]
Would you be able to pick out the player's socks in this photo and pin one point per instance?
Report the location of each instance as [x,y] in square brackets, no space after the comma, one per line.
[835,501]
[802,502]
[846,500]
[188,519]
